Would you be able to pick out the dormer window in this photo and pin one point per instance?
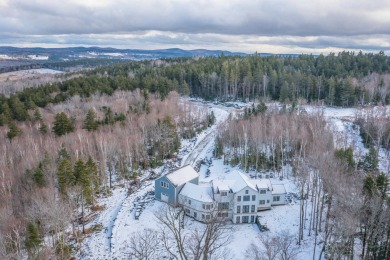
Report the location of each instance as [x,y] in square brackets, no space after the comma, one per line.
[223,193]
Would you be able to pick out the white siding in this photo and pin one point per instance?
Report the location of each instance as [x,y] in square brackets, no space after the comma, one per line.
[200,208]
[247,205]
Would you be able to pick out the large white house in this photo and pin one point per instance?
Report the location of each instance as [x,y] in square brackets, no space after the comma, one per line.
[234,197]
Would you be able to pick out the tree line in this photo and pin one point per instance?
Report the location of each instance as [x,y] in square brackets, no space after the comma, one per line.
[345,79]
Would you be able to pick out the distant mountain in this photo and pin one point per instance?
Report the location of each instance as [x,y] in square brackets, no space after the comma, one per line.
[75,53]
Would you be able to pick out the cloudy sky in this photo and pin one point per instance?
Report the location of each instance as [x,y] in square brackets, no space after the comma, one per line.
[277,26]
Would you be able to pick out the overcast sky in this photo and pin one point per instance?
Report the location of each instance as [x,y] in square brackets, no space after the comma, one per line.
[276,26]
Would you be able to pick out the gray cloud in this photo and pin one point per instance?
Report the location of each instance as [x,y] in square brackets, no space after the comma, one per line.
[299,25]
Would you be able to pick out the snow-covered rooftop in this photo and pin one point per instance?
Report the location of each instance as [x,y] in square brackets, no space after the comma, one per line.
[234,181]
[197,192]
[262,183]
[278,189]
[182,175]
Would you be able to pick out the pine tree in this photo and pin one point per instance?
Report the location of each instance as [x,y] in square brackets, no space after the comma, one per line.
[37,115]
[42,127]
[369,186]
[14,131]
[370,161]
[32,238]
[39,176]
[65,175]
[63,154]
[83,178]
[62,124]
[90,122]
[109,117]
[92,169]
[346,155]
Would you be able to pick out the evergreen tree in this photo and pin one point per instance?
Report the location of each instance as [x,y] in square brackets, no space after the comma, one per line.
[108,117]
[37,115]
[382,182]
[42,127]
[18,110]
[65,175]
[2,119]
[83,178]
[62,124]
[346,155]
[93,172]
[63,154]
[39,176]
[370,161]
[14,131]
[90,122]
[32,238]
[369,186]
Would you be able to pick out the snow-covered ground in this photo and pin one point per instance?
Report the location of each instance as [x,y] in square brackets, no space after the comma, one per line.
[23,74]
[118,217]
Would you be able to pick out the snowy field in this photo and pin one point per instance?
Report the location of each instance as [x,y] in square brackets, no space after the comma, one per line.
[118,217]
[23,74]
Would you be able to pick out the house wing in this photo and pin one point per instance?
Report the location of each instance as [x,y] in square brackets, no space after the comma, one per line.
[182,175]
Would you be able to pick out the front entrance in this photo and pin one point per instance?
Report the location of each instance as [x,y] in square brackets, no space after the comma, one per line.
[164,197]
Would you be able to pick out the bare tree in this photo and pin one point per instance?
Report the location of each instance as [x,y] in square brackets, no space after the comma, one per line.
[254,252]
[287,246]
[206,242]
[144,244]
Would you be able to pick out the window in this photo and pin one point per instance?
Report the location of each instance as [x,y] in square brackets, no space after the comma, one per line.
[239,198]
[207,217]
[203,206]
[238,209]
[276,198]
[208,207]
[246,191]
[222,214]
[267,201]
[253,197]
[263,191]
[245,219]
[195,214]
[224,193]
[202,216]
[252,219]
[223,205]
[164,184]
[237,219]
[253,208]
[188,212]
[245,209]
[247,198]
[261,202]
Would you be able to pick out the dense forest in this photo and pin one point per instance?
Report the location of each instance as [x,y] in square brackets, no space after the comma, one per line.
[345,79]
[63,144]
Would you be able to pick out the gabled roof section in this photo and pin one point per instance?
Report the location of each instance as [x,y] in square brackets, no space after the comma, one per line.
[278,189]
[262,184]
[197,192]
[182,175]
[234,181]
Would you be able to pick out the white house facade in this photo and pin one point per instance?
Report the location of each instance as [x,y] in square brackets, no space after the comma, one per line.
[234,197]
